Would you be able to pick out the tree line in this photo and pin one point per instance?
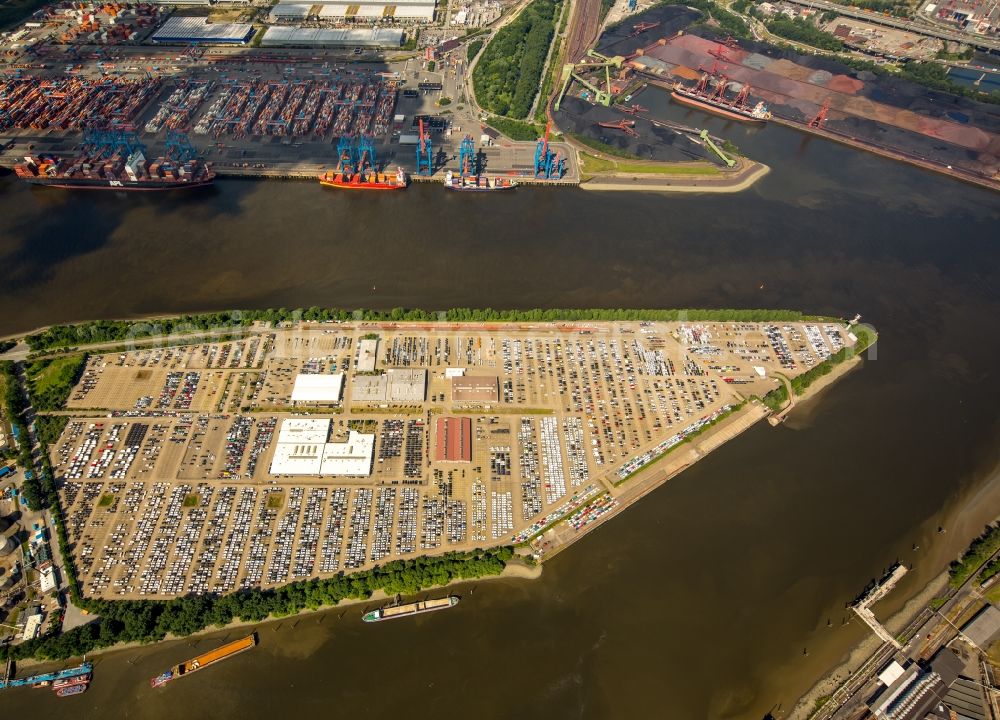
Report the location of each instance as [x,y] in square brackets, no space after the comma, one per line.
[103,331]
[148,621]
[508,75]
[978,552]
[13,409]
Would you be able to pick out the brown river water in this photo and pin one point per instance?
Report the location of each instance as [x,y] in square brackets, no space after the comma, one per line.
[697,602]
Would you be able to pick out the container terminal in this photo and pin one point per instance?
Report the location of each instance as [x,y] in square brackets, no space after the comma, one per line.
[281,112]
[320,448]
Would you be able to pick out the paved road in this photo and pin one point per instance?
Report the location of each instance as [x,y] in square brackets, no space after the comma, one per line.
[977,41]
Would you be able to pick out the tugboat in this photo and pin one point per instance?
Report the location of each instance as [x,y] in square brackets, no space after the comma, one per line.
[477,183]
[356,169]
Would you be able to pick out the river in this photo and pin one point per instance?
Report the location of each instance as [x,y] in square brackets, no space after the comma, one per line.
[708,599]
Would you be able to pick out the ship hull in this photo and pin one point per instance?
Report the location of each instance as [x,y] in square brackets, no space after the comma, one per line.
[419,608]
[116,185]
[721,111]
[381,183]
[472,188]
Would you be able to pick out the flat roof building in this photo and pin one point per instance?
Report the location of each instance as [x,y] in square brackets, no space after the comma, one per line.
[292,458]
[407,385]
[367,354]
[352,458]
[369,388]
[304,430]
[372,12]
[984,628]
[47,578]
[289,12]
[321,388]
[199,30]
[329,37]
[453,440]
[475,388]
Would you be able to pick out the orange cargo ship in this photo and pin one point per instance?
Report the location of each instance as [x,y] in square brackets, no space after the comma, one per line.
[364,180]
[204,660]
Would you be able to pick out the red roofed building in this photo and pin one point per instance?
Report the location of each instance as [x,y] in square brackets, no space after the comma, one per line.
[454,440]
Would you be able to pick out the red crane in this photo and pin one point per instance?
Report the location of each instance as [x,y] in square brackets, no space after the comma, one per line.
[719,53]
[820,118]
[626,126]
[640,28]
[742,97]
[720,89]
[632,109]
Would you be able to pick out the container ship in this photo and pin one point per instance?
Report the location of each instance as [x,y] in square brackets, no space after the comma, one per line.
[117,172]
[399,610]
[477,183]
[717,103]
[370,180]
[204,660]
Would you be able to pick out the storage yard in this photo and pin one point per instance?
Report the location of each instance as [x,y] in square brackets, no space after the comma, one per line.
[193,469]
[888,116]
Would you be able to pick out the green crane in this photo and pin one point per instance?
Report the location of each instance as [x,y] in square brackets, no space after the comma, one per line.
[601,97]
[716,149]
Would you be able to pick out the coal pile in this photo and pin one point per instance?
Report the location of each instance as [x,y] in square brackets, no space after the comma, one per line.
[672,18]
[653,143]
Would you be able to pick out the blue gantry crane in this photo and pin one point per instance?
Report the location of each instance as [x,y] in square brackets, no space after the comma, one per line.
[425,157]
[179,147]
[345,156]
[548,164]
[366,154]
[467,158]
[111,140]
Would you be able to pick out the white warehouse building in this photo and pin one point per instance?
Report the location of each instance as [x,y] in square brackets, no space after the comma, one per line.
[330,37]
[339,11]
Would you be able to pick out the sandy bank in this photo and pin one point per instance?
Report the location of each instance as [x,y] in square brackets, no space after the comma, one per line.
[637,182]
[514,570]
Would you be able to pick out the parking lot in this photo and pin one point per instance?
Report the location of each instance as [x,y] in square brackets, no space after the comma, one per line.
[166,470]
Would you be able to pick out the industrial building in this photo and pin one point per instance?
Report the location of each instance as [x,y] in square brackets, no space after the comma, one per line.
[407,385]
[320,388]
[984,628]
[329,37]
[404,11]
[304,430]
[453,440]
[187,30]
[907,693]
[302,449]
[398,385]
[367,354]
[475,389]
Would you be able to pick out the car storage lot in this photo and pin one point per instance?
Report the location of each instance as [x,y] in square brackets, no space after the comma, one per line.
[166,469]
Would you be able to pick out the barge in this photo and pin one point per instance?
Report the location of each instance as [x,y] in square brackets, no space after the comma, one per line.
[399,610]
[204,660]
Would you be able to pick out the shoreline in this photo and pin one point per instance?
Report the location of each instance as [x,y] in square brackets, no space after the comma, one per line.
[515,569]
[740,180]
[857,655]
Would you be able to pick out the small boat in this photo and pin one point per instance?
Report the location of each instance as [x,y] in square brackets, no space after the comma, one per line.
[398,610]
[71,690]
[477,183]
[368,180]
